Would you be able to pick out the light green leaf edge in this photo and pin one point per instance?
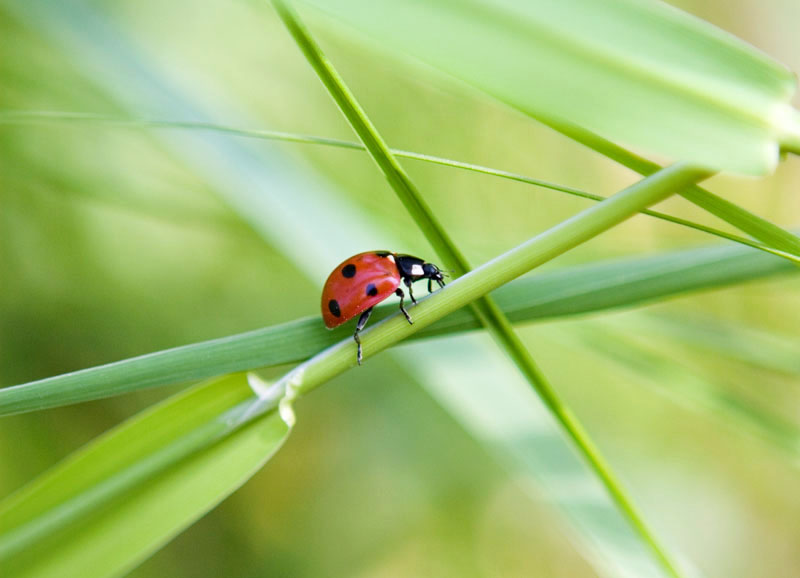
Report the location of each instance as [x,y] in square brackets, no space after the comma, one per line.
[112,504]
[641,73]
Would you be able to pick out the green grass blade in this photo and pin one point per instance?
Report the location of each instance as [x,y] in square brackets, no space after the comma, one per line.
[641,73]
[113,503]
[486,310]
[725,210]
[571,291]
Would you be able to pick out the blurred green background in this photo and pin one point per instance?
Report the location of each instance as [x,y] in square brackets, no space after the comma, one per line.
[114,244]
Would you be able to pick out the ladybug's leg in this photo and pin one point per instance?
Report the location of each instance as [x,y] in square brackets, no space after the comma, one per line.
[362,321]
[408,283]
[399,293]
[430,287]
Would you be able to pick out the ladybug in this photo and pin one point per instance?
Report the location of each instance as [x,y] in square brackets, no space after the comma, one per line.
[364,280]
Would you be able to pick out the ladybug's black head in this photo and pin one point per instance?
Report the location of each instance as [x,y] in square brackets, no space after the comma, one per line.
[431,271]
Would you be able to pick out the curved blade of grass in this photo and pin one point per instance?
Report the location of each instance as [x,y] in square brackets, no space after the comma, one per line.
[563,293]
[123,496]
[642,73]
[718,206]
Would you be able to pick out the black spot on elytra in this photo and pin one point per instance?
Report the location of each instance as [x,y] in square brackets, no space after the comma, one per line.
[333,306]
[383,253]
[372,290]
[349,270]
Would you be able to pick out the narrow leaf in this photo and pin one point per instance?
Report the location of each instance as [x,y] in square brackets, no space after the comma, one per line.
[556,294]
[109,506]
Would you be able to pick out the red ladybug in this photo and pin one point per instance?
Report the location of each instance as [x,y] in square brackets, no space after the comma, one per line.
[366,279]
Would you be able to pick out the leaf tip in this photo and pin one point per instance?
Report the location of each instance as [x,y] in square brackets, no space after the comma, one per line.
[787,122]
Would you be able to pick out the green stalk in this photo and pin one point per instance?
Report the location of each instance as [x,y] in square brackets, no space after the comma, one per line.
[535,252]
[376,147]
[485,308]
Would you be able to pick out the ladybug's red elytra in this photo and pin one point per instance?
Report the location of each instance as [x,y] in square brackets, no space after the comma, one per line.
[364,280]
